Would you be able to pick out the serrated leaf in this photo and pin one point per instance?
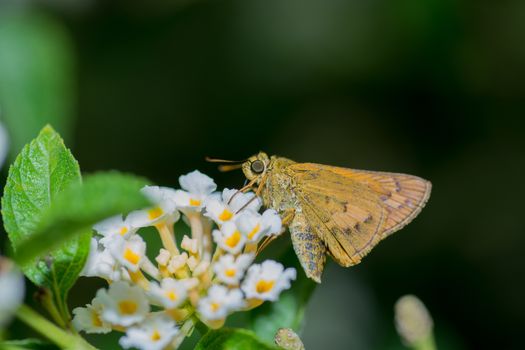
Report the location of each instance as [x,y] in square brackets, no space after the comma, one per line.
[42,170]
[288,311]
[36,75]
[80,206]
[232,339]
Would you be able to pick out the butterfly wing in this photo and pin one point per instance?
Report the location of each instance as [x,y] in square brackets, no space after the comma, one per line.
[352,210]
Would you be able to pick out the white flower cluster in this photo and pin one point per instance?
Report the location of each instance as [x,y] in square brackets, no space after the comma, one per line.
[189,282]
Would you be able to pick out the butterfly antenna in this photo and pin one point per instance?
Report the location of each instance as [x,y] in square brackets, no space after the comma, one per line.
[229,166]
[225,168]
[216,160]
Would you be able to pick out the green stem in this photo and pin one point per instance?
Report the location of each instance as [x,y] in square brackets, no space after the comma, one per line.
[49,330]
[59,301]
[426,344]
[48,302]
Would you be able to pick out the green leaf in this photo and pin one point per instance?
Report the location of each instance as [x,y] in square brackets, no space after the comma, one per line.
[288,311]
[232,339]
[42,170]
[80,206]
[36,75]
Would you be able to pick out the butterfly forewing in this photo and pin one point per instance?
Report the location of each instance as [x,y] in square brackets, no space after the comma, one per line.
[403,196]
[352,210]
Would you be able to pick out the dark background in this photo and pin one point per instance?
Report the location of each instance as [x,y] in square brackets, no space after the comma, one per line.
[434,88]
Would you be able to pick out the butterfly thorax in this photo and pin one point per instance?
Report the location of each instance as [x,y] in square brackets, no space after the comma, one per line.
[277,192]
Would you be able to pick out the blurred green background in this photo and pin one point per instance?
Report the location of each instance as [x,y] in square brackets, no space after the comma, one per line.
[434,88]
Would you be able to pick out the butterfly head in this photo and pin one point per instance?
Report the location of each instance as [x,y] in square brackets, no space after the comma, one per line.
[256,166]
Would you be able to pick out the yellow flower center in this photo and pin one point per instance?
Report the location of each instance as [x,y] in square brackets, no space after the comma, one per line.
[229,272]
[127,307]
[254,231]
[171,295]
[131,256]
[155,336]
[195,202]
[97,322]
[123,230]
[155,213]
[264,286]
[234,239]
[215,307]
[225,215]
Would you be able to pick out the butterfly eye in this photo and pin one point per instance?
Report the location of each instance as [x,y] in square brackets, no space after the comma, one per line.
[257,166]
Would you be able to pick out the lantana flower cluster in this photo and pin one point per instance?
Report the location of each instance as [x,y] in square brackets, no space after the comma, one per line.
[206,277]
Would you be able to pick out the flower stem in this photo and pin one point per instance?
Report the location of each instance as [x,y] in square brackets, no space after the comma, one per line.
[196,227]
[58,336]
[168,241]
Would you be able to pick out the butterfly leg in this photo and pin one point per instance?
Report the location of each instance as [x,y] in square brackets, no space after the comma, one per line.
[257,192]
[261,184]
[243,189]
[287,218]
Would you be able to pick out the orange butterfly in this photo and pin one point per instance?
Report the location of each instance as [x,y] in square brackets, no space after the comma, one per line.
[339,211]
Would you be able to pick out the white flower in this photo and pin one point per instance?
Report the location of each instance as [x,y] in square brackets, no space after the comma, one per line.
[255,226]
[230,270]
[123,304]
[196,189]
[164,210]
[170,293]
[130,253]
[115,226]
[12,290]
[220,302]
[100,263]
[229,238]
[267,280]
[155,333]
[232,202]
[88,319]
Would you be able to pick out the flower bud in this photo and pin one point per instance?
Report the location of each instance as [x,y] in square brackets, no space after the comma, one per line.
[413,321]
[163,258]
[12,290]
[287,339]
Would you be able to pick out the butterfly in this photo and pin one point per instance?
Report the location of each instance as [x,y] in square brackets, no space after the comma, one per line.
[331,210]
